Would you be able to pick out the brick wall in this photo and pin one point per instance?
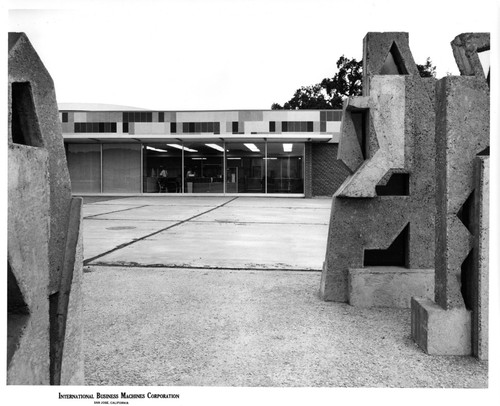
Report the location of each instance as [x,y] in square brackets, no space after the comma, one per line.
[327,173]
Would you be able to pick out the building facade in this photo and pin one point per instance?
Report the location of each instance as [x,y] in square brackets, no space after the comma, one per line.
[251,152]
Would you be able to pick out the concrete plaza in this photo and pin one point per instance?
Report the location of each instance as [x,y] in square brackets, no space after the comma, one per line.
[223,291]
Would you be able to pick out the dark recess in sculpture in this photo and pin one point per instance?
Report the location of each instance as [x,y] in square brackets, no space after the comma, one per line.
[397,185]
[394,64]
[467,281]
[18,313]
[360,121]
[465,213]
[395,255]
[25,127]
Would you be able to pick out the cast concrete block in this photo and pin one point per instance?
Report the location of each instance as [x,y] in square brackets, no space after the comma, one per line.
[462,132]
[389,286]
[438,331]
[28,339]
[481,258]
[377,46]
[39,196]
[364,220]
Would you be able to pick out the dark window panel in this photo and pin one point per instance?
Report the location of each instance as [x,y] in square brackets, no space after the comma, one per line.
[95,127]
[197,127]
[204,127]
[210,127]
[217,127]
[322,126]
[77,127]
[191,127]
[235,127]
[113,127]
[337,116]
[310,127]
[125,117]
[149,117]
[137,117]
[64,117]
[173,127]
[101,127]
[161,117]
[125,127]
[185,128]
[303,126]
[284,126]
[322,116]
[107,127]
[272,126]
[329,116]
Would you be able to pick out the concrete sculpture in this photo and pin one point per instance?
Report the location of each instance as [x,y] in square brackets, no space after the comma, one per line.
[380,249]
[44,239]
[456,322]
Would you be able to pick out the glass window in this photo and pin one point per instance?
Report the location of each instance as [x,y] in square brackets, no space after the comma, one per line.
[64,117]
[125,117]
[162,168]
[285,167]
[161,117]
[235,127]
[272,126]
[84,165]
[121,168]
[245,168]
[203,167]
[173,128]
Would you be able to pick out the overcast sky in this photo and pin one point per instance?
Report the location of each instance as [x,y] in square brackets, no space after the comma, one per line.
[216,54]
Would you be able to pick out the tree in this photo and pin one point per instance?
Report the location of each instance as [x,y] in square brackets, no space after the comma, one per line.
[331,92]
[427,70]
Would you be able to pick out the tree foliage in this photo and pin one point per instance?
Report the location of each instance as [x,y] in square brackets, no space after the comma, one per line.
[331,92]
[427,70]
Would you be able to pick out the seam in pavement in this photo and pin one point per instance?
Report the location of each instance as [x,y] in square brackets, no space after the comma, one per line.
[115,211]
[119,247]
[217,221]
[208,268]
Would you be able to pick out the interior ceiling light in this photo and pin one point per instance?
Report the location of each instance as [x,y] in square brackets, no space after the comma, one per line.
[252,147]
[199,159]
[215,146]
[287,147]
[156,149]
[233,158]
[181,147]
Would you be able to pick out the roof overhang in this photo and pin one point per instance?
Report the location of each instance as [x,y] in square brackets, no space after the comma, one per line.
[154,138]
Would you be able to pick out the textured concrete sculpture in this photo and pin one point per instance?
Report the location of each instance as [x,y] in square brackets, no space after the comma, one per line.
[456,322]
[382,221]
[44,240]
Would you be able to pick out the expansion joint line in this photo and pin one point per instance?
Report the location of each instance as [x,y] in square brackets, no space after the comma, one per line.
[115,211]
[119,247]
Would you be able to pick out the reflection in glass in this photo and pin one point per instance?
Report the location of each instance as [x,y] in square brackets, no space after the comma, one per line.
[285,168]
[162,168]
[84,165]
[203,167]
[121,168]
[245,167]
